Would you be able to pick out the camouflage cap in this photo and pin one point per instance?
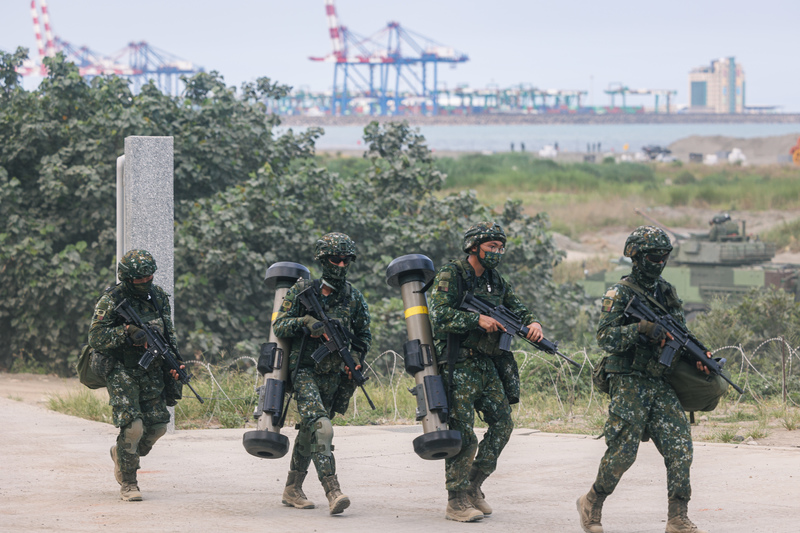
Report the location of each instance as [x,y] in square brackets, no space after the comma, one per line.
[334,244]
[136,264]
[483,232]
[646,239]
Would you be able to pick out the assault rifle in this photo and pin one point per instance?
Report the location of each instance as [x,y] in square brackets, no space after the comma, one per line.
[335,339]
[681,339]
[157,345]
[513,325]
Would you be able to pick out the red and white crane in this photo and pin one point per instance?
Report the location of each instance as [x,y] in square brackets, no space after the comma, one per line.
[144,62]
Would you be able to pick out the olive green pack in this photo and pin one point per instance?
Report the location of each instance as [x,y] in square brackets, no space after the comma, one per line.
[85,373]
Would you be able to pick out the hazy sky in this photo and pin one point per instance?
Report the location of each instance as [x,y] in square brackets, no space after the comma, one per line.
[578,44]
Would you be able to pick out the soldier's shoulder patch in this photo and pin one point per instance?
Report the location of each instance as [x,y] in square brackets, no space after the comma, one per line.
[611,293]
[608,299]
[286,305]
[444,275]
[443,286]
[99,314]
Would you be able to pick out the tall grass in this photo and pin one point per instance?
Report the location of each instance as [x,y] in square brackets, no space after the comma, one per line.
[786,236]
[526,172]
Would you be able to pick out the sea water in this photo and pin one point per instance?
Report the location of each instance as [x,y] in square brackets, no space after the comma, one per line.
[568,137]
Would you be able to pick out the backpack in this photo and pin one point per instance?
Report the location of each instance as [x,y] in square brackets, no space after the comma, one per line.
[696,391]
[86,375]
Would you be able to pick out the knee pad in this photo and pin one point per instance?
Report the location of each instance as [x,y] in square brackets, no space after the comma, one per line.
[151,435]
[131,435]
[323,436]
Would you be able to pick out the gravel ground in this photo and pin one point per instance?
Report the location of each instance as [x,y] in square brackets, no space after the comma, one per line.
[56,475]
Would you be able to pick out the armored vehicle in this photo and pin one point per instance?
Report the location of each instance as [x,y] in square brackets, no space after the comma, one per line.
[722,262]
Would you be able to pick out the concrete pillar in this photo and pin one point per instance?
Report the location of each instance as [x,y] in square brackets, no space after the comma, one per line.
[147,217]
[145,208]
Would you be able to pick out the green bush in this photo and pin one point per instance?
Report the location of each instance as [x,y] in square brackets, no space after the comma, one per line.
[245,198]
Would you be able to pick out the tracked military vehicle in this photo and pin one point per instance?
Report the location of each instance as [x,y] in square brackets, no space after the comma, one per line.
[722,262]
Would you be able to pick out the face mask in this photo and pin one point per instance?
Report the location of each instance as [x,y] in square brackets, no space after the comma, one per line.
[650,269]
[333,272]
[490,260]
[141,290]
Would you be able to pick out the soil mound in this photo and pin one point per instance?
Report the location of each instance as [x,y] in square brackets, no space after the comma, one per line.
[758,150]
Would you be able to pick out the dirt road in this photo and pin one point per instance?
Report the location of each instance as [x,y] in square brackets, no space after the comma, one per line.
[55,474]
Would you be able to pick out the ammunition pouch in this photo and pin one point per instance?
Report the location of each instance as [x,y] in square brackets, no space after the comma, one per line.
[508,371]
[600,376]
[173,389]
[345,391]
[645,360]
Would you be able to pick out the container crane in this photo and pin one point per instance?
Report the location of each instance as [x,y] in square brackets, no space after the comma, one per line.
[138,62]
[361,59]
[622,90]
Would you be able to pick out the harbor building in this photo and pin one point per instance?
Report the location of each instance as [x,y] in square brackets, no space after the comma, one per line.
[718,88]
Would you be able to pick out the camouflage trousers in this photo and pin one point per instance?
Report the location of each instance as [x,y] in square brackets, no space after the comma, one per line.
[315,395]
[638,404]
[476,387]
[135,393]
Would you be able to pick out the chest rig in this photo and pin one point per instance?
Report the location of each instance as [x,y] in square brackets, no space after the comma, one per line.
[643,358]
[338,305]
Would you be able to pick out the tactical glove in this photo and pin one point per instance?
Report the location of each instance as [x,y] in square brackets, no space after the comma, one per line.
[136,335]
[655,333]
[309,323]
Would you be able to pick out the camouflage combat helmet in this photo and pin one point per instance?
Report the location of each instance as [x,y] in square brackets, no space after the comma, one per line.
[720,219]
[646,239]
[136,264]
[483,232]
[334,244]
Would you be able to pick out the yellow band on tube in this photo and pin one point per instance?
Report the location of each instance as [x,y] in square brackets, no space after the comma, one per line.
[417,310]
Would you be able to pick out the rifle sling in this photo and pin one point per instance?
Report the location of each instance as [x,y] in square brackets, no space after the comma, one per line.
[164,323]
[638,290]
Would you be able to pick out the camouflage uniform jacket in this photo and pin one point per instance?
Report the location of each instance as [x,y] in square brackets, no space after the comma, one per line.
[347,305]
[107,333]
[619,336]
[446,296]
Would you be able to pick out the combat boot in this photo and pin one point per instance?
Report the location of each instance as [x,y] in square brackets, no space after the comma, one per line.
[590,509]
[117,471]
[460,508]
[474,492]
[337,501]
[677,519]
[130,490]
[293,494]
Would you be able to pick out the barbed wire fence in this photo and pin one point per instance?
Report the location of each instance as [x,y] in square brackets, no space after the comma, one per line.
[565,383]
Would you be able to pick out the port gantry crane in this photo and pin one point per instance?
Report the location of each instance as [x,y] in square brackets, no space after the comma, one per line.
[618,88]
[139,62]
[383,52]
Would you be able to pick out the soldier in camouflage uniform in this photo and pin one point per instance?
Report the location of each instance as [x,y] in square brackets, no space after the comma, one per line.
[321,389]
[138,397]
[723,228]
[643,405]
[482,377]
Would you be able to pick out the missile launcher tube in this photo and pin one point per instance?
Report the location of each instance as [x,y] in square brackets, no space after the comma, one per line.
[410,273]
[273,366]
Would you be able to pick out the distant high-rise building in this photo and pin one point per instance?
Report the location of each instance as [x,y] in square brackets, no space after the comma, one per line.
[718,88]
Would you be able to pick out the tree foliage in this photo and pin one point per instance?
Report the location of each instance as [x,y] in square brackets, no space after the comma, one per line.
[245,198]
[57,186]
